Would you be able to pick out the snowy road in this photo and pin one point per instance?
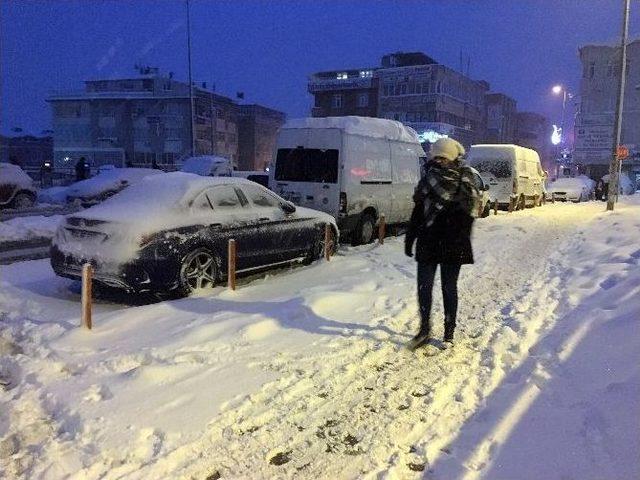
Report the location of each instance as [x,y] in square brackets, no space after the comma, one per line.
[304,374]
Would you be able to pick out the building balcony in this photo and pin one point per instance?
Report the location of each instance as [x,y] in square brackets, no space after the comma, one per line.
[61,95]
[319,85]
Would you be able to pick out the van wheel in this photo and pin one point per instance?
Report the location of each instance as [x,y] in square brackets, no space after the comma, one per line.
[364,231]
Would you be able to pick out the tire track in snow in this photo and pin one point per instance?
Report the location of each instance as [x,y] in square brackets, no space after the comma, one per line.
[389,410]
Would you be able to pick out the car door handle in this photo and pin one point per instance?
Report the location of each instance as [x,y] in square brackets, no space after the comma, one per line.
[264,219]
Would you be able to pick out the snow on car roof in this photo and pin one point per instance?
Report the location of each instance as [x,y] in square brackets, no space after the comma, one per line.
[365,126]
[170,191]
[13,174]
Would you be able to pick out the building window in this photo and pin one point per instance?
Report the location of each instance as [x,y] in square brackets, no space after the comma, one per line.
[342,76]
[166,86]
[387,90]
[439,87]
[366,73]
[592,69]
[336,101]
[363,100]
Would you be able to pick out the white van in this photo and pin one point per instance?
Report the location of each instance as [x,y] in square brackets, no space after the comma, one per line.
[514,173]
[354,168]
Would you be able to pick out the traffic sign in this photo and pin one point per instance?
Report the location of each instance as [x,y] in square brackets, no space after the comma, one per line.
[622,152]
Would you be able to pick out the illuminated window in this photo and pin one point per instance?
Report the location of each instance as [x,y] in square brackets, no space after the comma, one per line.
[342,76]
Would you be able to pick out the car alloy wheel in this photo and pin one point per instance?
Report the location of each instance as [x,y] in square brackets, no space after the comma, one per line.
[199,270]
[22,200]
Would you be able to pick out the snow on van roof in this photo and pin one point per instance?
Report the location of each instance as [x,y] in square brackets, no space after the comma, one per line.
[365,126]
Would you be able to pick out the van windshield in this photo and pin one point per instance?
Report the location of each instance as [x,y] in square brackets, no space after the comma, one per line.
[307,165]
[499,168]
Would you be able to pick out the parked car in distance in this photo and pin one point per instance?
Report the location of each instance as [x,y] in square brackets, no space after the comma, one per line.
[208,166]
[353,168]
[626,186]
[107,183]
[255,176]
[513,172]
[169,234]
[16,187]
[572,189]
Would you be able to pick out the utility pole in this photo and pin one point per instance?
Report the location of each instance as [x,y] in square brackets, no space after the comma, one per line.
[191,129]
[617,127]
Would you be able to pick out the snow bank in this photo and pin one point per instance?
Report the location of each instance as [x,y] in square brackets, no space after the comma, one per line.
[365,126]
[53,195]
[27,228]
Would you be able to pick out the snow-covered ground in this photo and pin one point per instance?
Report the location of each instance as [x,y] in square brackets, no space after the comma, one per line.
[29,227]
[303,374]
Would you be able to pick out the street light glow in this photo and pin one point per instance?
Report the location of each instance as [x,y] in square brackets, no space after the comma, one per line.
[557,89]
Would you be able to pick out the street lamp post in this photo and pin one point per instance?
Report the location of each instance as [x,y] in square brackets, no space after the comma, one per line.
[615,165]
[557,90]
[191,129]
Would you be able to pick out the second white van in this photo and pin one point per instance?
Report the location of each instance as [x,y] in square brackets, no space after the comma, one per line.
[354,168]
[514,173]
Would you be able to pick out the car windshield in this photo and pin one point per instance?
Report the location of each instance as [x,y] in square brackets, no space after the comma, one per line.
[499,168]
[307,165]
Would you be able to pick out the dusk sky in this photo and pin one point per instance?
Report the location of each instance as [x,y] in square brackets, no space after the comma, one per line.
[267,49]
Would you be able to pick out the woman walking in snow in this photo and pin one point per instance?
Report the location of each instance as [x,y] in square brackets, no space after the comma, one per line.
[446,200]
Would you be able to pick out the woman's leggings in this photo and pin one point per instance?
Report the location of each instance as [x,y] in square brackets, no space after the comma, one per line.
[449,278]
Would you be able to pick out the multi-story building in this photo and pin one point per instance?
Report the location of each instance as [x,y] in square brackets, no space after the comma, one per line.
[501,118]
[409,87]
[27,151]
[344,92]
[258,127]
[532,130]
[594,135]
[142,120]
[433,99]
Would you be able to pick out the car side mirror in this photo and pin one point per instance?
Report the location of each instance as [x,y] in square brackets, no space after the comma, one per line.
[288,207]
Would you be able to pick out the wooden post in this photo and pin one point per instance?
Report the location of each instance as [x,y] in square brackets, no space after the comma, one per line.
[327,242]
[495,207]
[231,264]
[382,229]
[86,297]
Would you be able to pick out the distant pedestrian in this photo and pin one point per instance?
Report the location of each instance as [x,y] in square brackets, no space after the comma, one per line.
[599,191]
[154,164]
[446,200]
[82,169]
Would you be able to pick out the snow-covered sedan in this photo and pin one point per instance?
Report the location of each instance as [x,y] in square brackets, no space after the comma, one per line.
[16,187]
[572,189]
[169,233]
[107,183]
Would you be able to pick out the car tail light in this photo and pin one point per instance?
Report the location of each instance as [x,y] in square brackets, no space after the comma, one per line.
[343,202]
